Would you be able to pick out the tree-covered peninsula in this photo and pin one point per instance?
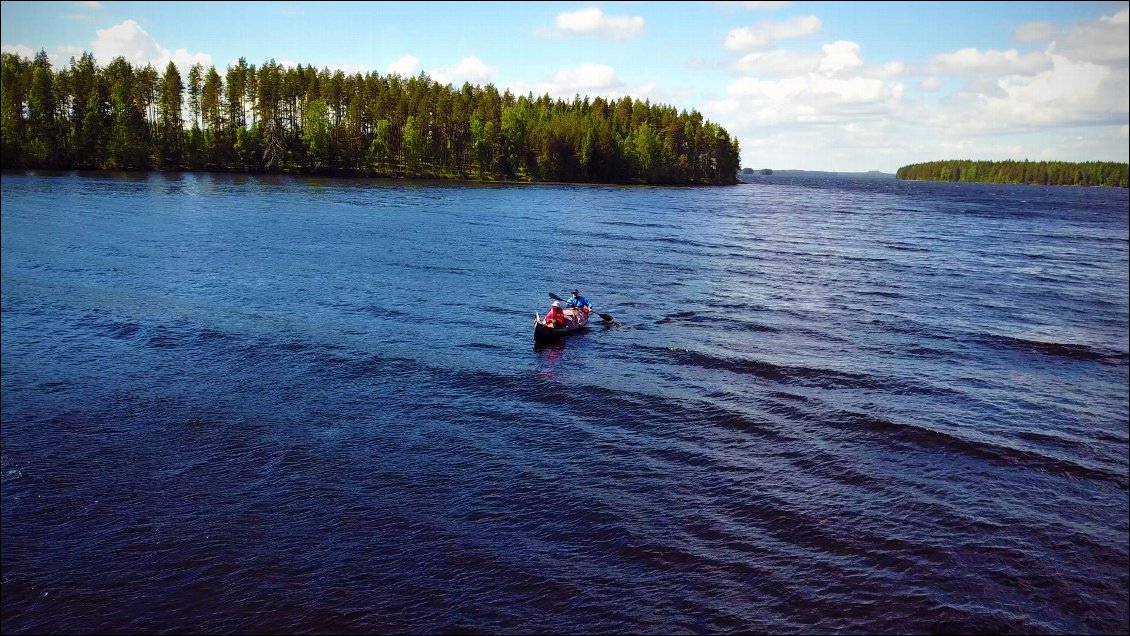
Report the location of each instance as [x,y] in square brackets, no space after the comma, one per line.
[1091,173]
[300,119]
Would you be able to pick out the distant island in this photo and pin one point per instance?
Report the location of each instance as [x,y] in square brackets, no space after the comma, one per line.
[1091,173]
[309,121]
[749,175]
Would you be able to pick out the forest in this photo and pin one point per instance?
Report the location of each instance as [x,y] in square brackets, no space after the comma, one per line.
[1090,173]
[304,120]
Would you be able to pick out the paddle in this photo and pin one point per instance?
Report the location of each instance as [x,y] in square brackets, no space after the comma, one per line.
[604,317]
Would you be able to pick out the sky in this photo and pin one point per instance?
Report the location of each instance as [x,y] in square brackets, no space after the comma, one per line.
[832,86]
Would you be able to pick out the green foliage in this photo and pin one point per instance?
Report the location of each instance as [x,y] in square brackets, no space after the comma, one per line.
[1091,173]
[317,133]
[171,122]
[301,119]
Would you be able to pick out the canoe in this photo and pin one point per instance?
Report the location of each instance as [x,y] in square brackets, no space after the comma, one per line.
[575,320]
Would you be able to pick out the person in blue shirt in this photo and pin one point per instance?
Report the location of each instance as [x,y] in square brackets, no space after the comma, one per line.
[580,302]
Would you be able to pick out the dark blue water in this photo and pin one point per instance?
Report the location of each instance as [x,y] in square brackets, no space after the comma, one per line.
[282,405]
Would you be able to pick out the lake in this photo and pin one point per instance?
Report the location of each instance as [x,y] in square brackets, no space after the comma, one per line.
[272,404]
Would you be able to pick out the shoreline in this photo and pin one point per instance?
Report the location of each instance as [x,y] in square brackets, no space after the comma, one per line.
[392,178]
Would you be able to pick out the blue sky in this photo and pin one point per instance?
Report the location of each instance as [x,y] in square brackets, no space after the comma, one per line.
[841,86]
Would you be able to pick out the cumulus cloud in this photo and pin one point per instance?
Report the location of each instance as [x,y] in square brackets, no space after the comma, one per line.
[761,36]
[815,97]
[598,80]
[855,147]
[1079,79]
[840,55]
[21,50]
[405,66]
[970,61]
[1069,94]
[1101,41]
[593,21]
[930,84]
[587,77]
[800,104]
[470,69]
[785,88]
[776,63]
[752,5]
[1064,95]
[130,41]
[59,57]
[70,51]
[350,68]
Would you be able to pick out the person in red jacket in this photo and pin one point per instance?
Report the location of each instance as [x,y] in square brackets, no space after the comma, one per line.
[556,317]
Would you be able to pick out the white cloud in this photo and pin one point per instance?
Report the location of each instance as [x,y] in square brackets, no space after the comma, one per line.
[970,61]
[587,77]
[405,66]
[70,51]
[350,68]
[847,147]
[1069,144]
[831,110]
[822,111]
[930,84]
[598,80]
[1122,17]
[840,55]
[21,50]
[59,57]
[776,63]
[803,95]
[761,36]
[1102,41]
[127,40]
[469,69]
[593,21]
[752,5]
[1071,93]
[130,41]
[889,70]
[1079,80]
[86,6]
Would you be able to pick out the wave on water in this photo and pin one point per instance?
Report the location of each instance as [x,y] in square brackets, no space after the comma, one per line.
[998,451]
[1060,349]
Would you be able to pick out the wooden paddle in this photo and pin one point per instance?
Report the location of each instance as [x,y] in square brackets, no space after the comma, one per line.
[604,317]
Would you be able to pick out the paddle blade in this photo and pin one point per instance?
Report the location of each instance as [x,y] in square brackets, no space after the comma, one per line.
[555,297]
[605,317]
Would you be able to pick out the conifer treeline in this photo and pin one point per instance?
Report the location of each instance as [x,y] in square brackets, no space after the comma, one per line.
[1091,173]
[301,119]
